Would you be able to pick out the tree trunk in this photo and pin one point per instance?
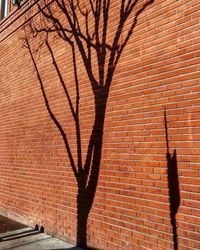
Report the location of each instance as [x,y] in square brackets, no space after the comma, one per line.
[82,217]
[87,184]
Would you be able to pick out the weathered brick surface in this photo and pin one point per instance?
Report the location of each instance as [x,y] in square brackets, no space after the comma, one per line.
[159,70]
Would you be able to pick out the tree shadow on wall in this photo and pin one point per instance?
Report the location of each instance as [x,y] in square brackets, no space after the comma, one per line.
[84,30]
[173,185]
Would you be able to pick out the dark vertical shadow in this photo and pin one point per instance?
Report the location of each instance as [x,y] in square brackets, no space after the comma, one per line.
[85,42]
[173,185]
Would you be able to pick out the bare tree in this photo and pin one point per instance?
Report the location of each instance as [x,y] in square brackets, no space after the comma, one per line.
[84,28]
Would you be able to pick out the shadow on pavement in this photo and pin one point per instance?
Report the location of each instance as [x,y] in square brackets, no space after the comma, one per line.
[9,225]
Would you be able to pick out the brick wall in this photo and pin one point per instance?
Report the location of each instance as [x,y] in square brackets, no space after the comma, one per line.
[145,190]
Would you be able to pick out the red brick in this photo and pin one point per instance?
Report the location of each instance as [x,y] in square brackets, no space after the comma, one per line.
[158,70]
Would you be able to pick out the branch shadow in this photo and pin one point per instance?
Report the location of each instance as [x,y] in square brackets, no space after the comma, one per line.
[84,41]
[173,186]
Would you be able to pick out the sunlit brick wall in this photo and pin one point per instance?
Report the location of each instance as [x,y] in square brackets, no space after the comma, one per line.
[148,189]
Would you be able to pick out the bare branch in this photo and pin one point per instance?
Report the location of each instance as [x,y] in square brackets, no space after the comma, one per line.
[77,123]
[79,43]
[61,79]
[130,32]
[56,23]
[51,114]
[116,48]
[92,7]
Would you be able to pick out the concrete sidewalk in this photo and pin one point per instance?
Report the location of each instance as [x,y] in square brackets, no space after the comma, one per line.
[14,235]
